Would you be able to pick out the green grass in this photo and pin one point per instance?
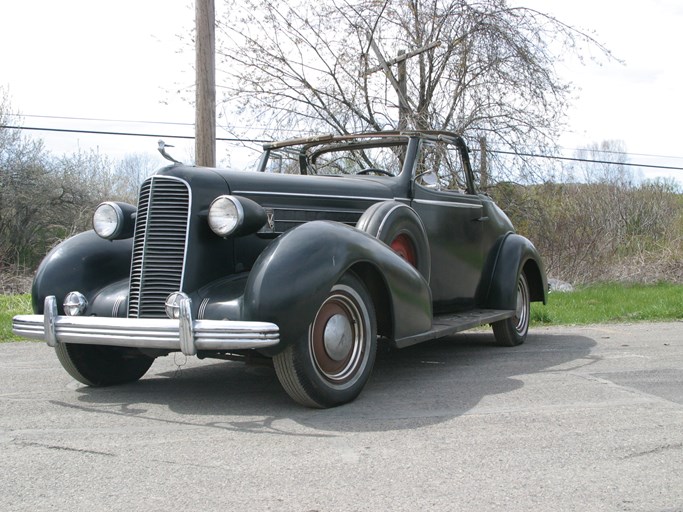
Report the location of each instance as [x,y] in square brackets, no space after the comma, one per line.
[606,303]
[591,305]
[11,305]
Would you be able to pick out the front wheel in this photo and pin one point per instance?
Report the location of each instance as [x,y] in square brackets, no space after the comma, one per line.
[512,331]
[99,365]
[330,365]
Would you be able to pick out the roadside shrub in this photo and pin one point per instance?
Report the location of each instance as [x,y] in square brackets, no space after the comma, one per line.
[608,231]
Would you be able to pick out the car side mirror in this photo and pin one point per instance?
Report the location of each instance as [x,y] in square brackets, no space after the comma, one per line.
[428,179]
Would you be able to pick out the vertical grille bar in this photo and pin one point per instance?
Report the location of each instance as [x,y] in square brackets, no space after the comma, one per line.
[159,245]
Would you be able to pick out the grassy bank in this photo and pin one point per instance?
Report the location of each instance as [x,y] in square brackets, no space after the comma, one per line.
[11,305]
[591,305]
[611,303]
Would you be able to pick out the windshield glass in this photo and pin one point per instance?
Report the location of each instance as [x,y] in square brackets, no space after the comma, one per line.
[338,159]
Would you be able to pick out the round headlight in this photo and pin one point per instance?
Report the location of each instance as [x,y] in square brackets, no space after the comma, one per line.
[75,304]
[225,215]
[107,221]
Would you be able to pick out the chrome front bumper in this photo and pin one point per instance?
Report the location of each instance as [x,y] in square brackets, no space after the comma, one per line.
[186,334]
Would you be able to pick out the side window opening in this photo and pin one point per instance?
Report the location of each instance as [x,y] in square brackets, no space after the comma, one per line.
[440,167]
[283,161]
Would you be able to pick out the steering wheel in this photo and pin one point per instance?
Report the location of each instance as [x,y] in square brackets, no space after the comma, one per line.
[369,170]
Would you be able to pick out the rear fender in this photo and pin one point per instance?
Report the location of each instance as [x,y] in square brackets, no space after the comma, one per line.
[388,220]
[293,276]
[512,254]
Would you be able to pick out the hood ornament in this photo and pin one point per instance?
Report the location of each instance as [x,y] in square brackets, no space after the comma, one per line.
[162,149]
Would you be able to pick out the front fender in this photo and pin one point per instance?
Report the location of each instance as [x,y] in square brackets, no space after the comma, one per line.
[293,276]
[512,254]
[85,263]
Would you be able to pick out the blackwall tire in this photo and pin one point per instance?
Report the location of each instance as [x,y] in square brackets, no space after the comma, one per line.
[513,331]
[331,364]
[97,365]
[400,227]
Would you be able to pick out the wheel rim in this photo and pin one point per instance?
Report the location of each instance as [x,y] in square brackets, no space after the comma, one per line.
[338,335]
[405,248]
[522,310]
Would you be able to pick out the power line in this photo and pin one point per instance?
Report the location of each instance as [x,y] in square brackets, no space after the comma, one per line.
[100,120]
[128,121]
[626,153]
[649,166]
[262,141]
[130,134]
[177,123]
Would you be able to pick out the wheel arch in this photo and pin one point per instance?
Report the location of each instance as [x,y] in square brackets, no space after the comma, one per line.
[535,280]
[387,220]
[378,289]
[511,255]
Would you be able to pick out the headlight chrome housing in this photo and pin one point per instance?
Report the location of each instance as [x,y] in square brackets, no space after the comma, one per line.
[107,221]
[75,304]
[113,220]
[235,215]
[226,215]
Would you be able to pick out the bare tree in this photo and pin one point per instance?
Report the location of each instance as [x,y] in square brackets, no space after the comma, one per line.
[604,162]
[24,181]
[128,175]
[483,68]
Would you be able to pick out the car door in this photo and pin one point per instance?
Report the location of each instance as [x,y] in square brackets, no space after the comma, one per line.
[454,220]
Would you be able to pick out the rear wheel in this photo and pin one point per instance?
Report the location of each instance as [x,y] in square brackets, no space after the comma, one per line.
[99,365]
[512,331]
[330,365]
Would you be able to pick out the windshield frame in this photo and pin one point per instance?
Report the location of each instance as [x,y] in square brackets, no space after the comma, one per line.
[310,149]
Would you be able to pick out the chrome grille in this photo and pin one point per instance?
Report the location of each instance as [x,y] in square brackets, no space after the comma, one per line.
[159,245]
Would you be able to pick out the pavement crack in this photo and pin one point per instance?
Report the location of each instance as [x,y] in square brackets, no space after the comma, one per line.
[63,448]
[658,449]
[187,464]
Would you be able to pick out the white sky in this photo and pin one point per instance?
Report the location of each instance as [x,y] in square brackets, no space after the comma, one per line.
[120,60]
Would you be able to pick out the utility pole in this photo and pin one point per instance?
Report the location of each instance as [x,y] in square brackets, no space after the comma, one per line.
[483,166]
[403,107]
[399,83]
[205,107]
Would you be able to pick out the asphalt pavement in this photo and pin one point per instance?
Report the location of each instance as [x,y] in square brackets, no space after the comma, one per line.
[578,418]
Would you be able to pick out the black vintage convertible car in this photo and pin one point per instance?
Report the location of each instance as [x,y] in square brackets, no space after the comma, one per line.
[335,242]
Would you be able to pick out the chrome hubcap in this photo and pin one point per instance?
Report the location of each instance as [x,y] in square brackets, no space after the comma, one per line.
[338,337]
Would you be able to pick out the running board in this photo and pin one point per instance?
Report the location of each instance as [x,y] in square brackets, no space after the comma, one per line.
[445,325]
